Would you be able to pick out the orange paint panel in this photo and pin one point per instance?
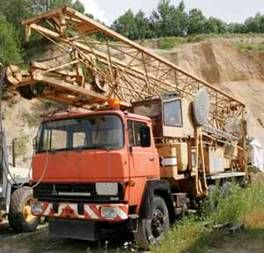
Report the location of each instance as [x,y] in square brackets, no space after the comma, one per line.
[81,166]
[136,192]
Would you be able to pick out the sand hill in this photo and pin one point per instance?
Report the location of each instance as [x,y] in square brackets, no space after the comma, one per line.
[236,71]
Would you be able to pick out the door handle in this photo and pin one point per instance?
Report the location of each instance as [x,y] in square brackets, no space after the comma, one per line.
[152,158]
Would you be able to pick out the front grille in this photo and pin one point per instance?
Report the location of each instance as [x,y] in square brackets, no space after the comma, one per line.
[56,192]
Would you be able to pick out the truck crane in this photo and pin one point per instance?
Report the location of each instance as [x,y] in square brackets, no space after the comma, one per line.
[152,142]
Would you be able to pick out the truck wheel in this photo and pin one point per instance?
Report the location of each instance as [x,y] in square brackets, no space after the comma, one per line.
[20,217]
[150,231]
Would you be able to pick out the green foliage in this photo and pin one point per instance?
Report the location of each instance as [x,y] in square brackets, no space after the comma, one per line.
[214,25]
[230,208]
[55,3]
[243,41]
[166,43]
[10,50]
[50,4]
[170,20]
[127,25]
[170,42]
[235,203]
[255,24]
[187,232]
[77,5]
[197,233]
[246,46]
[236,28]
[143,26]
[12,12]
[196,22]
[15,11]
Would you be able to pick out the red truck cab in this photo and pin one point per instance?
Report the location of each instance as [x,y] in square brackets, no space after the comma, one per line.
[93,169]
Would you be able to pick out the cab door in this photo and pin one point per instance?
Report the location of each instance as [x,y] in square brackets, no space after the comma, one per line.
[143,157]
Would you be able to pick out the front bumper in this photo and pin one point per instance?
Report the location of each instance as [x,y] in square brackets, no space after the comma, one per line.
[98,212]
[86,229]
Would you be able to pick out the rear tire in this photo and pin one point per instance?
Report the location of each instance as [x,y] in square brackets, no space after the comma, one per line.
[20,217]
[151,231]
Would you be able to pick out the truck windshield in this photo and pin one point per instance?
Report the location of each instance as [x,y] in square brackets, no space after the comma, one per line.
[92,132]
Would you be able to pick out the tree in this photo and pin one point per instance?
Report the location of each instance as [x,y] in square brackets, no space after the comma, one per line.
[255,24]
[162,19]
[197,21]
[39,6]
[126,25]
[236,28]
[170,20]
[215,25]
[143,30]
[180,20]
[55,3]
[77,5]
[15,11]
[10,50]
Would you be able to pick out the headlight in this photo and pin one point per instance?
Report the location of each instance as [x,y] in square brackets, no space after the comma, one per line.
[36,208]
[108,212]
[109,189]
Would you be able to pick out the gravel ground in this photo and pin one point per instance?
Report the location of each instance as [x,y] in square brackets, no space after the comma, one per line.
[39,242]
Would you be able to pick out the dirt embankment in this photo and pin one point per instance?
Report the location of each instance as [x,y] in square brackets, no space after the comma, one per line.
[240,73]
[21,119]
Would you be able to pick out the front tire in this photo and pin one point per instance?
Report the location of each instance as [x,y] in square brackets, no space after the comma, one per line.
[151,231]
[20,217]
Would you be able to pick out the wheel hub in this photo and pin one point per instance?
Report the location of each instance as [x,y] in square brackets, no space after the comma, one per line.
[157,223]
[28,216]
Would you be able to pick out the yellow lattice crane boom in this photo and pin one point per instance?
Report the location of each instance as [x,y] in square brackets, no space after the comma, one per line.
[94,63]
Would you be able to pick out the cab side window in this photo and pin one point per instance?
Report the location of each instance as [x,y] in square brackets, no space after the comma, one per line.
[138,134]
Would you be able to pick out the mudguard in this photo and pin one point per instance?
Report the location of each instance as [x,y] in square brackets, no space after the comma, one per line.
[162,189]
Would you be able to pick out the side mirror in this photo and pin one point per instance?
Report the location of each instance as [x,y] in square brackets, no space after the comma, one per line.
[14,152]
[145,136]
[34,144]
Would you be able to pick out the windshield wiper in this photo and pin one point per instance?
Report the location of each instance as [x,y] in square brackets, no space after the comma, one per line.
[107,148]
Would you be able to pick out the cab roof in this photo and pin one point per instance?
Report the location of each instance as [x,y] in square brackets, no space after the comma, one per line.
[71,114]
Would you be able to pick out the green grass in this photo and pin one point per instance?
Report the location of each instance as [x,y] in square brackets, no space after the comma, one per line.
[240,40]
[197,233]
[170,42]
[245,46]
[188,233]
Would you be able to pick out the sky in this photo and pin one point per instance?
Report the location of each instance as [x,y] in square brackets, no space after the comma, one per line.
[227,10]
